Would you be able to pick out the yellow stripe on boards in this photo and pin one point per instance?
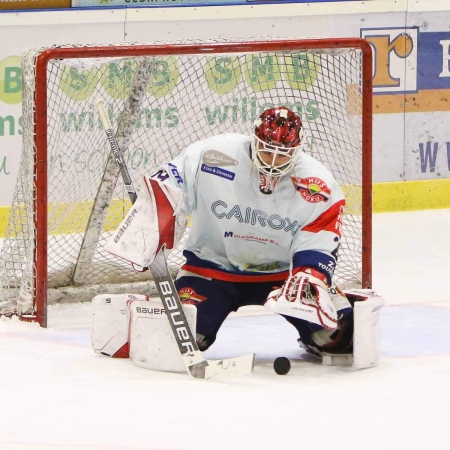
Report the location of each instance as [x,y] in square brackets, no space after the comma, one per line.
[66,218]
[411,195]
[4,213]
[387,197]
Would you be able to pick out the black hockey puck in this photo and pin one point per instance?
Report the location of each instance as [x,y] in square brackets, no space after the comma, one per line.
[282,365]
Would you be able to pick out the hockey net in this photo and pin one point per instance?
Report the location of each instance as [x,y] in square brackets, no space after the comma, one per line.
[161,97]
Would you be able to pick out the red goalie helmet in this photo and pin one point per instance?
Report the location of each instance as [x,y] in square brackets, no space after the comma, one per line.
[278,136]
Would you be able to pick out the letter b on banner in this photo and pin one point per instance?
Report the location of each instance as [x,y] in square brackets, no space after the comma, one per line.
[11,80]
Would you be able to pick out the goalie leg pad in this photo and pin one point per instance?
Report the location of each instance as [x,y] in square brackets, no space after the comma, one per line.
[110,323]
[152,344]
[366,337]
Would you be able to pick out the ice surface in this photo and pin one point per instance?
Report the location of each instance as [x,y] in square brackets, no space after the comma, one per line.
[57,394]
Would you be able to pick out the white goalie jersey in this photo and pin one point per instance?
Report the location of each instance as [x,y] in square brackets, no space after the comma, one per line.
[243,226]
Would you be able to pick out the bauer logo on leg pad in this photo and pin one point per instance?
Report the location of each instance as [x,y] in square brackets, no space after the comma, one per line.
[146,310]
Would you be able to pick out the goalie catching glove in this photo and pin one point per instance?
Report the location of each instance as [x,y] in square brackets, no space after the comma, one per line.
[304,296]
[157,218]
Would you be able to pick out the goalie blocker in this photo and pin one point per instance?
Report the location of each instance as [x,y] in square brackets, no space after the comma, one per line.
[156,218]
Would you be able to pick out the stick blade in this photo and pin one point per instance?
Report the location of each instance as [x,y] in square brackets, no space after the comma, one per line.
[224,368]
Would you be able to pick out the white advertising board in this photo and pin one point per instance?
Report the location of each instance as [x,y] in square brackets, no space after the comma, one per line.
[33,29]
[410,75]
[427,117]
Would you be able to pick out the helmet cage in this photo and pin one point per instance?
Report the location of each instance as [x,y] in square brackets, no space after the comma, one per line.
[271,169]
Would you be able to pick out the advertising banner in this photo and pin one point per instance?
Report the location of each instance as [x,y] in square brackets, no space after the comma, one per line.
[165,3]
[34,4]
[427,136]
[412,92]
[37,29]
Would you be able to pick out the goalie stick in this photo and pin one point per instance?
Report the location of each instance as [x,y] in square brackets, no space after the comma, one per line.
[196,365]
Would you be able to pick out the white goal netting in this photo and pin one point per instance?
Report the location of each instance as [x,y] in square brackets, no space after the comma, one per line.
[69,196]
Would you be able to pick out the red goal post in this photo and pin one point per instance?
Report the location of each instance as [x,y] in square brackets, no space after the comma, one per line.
[160,98]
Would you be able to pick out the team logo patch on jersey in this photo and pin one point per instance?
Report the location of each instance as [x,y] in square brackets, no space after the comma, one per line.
[189,297]
[214,158]
[312,189]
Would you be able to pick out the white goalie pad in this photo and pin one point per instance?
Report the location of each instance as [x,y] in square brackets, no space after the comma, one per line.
[152,343]
[156,218]
[110,323]
[366,333]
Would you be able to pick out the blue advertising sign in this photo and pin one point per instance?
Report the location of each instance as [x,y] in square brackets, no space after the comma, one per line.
[135,3]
